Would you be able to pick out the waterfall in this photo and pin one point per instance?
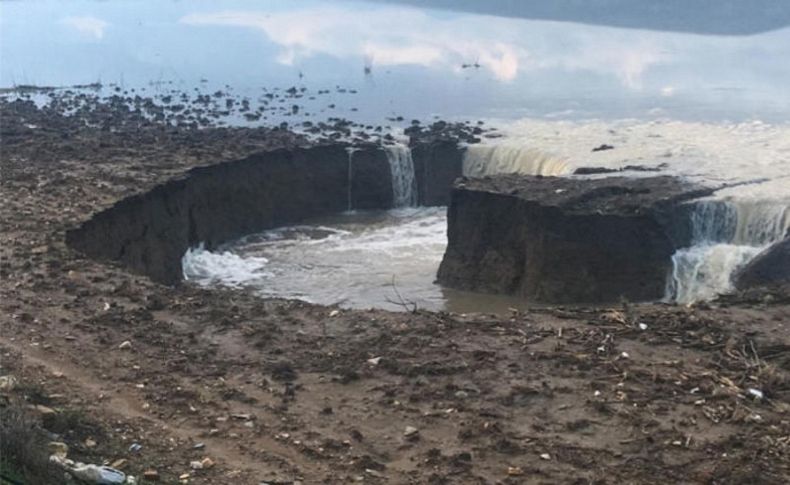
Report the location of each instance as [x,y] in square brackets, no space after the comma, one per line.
[349,203]
[725,236]
[480,160]
[404,184]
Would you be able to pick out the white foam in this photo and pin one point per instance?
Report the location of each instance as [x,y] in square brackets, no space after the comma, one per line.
[351,260]
[209,268]
[712,153]
[703,271]
[727,234]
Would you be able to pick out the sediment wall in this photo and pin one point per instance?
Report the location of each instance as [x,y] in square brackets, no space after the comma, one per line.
[558,240]
[437,165]
[150,232]
[771,267]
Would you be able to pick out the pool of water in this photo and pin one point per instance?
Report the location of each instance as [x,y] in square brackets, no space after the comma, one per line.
[382,259]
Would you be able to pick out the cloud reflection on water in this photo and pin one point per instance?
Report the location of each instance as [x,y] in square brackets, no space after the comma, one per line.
[420,62]
[404,36]
[387,37]
[88,25]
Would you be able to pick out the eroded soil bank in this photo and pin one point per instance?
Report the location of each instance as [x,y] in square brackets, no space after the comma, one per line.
[286,392]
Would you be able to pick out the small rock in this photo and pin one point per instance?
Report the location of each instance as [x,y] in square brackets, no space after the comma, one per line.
[135,447]
[199,446]
[411,432]
[58,448]
[125,345]
[151,475]
[756,393]
[120,463]
[196,465]
[374,473]
[7,383]
[334,313]
[374,361]
[514,471]
[207,463]
[44,411]
[90,443]
[545,456]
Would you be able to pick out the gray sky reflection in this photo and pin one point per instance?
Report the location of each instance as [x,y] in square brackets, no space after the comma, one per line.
[420,62]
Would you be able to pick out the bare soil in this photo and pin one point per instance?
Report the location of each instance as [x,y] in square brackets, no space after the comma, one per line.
[286,392]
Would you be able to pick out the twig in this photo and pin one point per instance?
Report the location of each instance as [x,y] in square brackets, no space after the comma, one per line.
[407,305]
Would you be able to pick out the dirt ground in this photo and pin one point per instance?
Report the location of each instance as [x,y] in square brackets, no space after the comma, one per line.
[286,392]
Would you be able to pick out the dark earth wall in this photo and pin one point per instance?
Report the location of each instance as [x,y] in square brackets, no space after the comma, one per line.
[561,240]
[771,267]
[436,166]
[150,232]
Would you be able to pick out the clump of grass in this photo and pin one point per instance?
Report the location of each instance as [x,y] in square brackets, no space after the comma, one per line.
[74,424]
[24,457]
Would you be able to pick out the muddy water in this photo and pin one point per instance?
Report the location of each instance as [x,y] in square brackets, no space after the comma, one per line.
[382,259]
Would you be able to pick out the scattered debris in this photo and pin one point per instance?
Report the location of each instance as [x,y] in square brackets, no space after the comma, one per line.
[151,475]
[7,383]
[58,448]
[89,473]
[411,432]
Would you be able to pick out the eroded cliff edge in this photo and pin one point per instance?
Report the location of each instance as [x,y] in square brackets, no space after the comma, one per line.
[210,205]
[551,239]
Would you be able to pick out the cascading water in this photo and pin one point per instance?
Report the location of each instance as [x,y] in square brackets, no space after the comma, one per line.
[747,216]
[349,203]
[726,235]
[481,160]
[404,184]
